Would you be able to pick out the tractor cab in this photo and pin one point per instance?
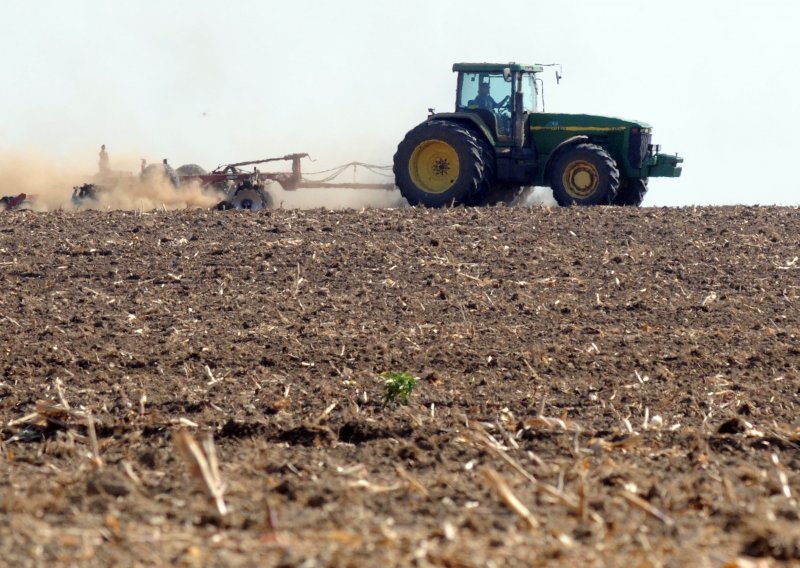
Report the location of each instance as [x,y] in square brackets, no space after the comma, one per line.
[501,95]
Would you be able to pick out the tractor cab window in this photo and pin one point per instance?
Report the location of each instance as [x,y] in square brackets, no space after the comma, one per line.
[528,89]
[488,94]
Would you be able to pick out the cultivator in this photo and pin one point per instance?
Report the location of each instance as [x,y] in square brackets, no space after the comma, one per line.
[251,190]
[237,187]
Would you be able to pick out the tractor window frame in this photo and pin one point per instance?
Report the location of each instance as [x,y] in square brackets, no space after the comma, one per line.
[497,86]
[530,92]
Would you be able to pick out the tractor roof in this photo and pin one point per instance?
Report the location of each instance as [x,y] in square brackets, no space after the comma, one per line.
[496,67]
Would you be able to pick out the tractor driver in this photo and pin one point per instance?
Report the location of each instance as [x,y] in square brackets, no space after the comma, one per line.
[485,101]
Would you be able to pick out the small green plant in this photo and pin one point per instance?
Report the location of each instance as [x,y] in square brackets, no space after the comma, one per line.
[397,387]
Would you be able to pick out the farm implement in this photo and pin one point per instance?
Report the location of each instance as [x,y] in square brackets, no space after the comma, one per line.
[11,202]
[237,187]
[251,189]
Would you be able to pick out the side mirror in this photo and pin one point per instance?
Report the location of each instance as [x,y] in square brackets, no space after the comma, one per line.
[507,74]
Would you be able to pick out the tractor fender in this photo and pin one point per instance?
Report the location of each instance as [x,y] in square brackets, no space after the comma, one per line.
[569,142]
[470,120]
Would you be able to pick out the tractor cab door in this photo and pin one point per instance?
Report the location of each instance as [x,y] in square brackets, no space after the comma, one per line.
[524,104]
[527,86]
[488,95]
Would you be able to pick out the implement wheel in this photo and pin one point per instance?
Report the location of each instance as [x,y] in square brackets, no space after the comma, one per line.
[584,174]
[251,196]
[631,192]
[440,163]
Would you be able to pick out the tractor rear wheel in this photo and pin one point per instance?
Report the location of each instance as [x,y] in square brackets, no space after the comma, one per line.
[489,193]
[631,192]
[440,163]
[584,174]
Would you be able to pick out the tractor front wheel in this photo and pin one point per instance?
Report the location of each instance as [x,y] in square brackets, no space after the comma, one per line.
[584,174]
[440,163]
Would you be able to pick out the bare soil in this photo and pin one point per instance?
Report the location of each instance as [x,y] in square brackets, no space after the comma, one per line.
[596,387]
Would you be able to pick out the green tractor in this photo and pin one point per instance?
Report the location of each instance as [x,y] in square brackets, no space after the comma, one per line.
[497,142]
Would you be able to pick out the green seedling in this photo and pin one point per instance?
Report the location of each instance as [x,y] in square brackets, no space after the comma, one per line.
[397,387]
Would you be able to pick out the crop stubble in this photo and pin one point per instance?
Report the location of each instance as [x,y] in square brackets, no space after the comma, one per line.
[595,385]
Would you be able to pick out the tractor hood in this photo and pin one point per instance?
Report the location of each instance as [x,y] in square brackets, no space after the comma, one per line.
[627,141]
[581,123]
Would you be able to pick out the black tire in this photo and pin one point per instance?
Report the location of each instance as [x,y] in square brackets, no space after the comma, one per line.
[584,174]
[440,163]
[251,197]
[631,192]
[489,193]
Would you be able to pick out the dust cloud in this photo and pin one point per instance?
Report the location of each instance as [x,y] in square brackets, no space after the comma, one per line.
[337,198]
[49,182]
[536,197]
[152,192]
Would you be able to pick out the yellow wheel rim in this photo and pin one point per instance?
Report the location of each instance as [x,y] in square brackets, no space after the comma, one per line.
[581,179]
[434,166]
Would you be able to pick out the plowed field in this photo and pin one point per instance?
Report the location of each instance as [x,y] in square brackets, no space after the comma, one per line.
[596,386]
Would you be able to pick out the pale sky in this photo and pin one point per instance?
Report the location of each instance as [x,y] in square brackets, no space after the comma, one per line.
[215,82]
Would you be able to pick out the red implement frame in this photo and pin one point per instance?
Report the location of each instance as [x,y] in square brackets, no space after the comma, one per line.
[290,181]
